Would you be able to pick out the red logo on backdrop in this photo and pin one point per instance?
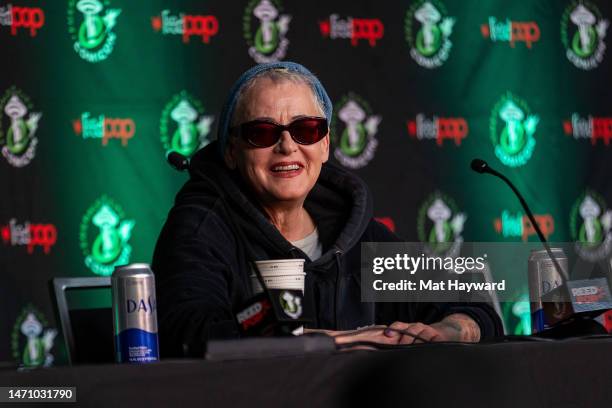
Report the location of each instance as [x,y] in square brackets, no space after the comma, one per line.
[511,31]
[29,234]
[590,127]
[28,18]
[186,25]
[104,128]
[355,29]
[438,128]
[387,222]
[519,225]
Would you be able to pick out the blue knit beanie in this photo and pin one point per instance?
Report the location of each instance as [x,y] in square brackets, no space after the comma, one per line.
[228,109]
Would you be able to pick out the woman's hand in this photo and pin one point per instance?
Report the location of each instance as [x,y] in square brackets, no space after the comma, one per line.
[456,327]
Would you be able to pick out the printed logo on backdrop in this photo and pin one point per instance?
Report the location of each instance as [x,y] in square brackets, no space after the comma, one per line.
[519,226]
[589,127]
[104,236]
[428,29]
[511,31]
[103,128]
[387,222]
[440,225]
[590,224]
[91,24]
[438,129]
[355,29]
[28,18]
[29,234]
[32,339]
[265,30]
[183,125]
[186,25]
[583,30]
[512,128]
[18,127]
[354,128]
[518,315]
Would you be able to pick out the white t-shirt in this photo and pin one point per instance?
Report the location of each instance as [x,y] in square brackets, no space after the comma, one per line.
[310,245]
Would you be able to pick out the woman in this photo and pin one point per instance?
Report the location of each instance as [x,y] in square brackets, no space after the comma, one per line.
[264,190]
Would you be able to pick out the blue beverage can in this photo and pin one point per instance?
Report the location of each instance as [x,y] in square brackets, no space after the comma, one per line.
[134,314]
[543,277]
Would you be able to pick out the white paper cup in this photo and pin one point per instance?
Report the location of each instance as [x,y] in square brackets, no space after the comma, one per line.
[280,274]
[280,262]
[280,271]
[295,282]
[280,266]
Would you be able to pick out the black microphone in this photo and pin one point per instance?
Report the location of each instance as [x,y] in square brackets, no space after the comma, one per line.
[570,324]
[273,312]
[480,166]
[177,160]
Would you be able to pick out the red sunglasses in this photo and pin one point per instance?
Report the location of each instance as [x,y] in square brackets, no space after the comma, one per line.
[265,133]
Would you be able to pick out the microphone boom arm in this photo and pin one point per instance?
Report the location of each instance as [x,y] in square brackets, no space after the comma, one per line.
[480,166]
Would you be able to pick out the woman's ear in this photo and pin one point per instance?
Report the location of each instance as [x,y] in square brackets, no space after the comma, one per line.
[230,155]
[325,146]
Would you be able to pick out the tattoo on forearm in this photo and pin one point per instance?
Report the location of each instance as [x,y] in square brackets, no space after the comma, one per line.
[467,329]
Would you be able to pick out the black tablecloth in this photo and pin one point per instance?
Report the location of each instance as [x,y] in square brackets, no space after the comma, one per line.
[571,373]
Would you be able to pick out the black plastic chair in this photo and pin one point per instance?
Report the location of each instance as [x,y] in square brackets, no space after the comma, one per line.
[88,333]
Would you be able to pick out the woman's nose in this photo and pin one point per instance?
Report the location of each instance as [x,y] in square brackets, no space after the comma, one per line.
[286,144]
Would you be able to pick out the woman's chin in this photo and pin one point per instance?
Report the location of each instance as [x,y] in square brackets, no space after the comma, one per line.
[288,195]
[285,198]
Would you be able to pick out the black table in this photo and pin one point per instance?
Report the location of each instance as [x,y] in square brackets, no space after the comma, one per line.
[570,373]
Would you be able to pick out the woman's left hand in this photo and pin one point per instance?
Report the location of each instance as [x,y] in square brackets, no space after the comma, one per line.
[456,327]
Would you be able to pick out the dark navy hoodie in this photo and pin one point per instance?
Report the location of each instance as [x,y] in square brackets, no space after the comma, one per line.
[215,228]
